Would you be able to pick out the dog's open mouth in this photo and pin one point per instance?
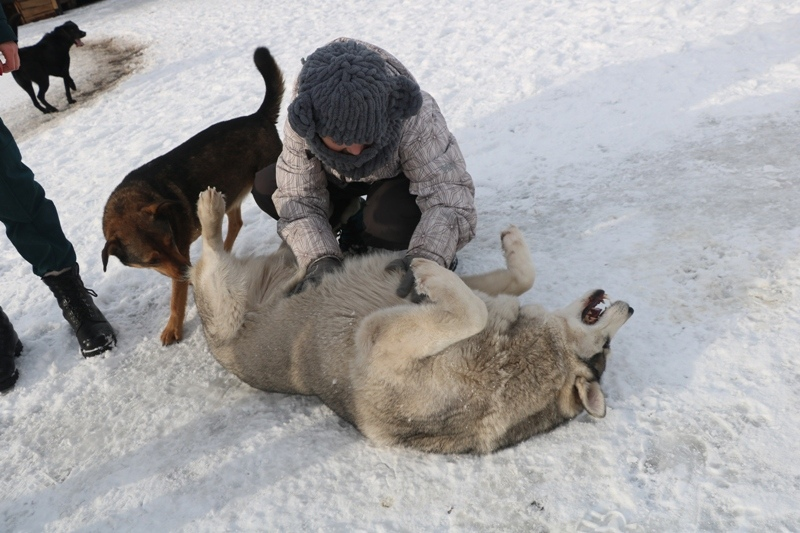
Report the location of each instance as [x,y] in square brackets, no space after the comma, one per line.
[78,42]
[595,307]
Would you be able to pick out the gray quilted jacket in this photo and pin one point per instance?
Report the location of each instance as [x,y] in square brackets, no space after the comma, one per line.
[428,155]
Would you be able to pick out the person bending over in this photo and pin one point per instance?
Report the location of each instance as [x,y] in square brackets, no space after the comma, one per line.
[359,126]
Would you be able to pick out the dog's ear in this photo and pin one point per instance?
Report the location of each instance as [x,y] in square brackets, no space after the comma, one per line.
[111,248]
[159,208]
[591,397]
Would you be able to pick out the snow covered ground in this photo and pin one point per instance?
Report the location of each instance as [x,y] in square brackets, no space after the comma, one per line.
[648,148]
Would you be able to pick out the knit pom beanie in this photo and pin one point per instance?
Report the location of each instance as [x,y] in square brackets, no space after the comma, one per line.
[346,92]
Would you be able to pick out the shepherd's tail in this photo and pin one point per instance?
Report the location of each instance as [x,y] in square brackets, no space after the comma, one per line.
[273,79]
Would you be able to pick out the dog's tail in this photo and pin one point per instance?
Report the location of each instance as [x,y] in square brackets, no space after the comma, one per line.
[273,79]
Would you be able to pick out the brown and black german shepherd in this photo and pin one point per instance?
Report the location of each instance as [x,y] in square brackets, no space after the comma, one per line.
[150,220]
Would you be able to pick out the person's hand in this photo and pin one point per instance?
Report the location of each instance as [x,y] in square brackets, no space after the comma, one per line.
[315,271]
[10,52]
[407,283]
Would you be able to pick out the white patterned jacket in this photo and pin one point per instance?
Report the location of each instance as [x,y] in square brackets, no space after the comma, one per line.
[428,155]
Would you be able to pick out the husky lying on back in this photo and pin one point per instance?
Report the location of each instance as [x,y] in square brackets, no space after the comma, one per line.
[466,370]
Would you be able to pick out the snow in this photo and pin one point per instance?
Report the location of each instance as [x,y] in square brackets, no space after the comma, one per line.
[646,148]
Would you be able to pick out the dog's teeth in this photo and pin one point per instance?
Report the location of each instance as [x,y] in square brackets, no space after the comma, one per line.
[593,314]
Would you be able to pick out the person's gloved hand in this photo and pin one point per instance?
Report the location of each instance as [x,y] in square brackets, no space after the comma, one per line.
[407,285]
[315,271]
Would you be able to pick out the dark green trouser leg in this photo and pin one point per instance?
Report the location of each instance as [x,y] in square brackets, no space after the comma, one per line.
[31,220]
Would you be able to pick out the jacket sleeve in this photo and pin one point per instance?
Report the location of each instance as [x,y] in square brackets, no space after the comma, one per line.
[302,202]
[6,33]
[433,163]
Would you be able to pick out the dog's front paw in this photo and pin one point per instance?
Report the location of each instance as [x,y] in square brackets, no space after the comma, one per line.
[211,206]
[171,334]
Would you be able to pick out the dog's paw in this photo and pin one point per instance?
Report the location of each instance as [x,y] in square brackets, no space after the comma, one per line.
[211,206]
[518,260]
[172,333]
[512,240]
[515,248]
[428,277]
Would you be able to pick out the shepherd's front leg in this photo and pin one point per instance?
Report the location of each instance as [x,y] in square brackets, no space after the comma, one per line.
[450,313]
[177,312]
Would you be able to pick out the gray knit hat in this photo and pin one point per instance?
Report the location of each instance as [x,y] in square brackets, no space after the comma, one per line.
[345,91]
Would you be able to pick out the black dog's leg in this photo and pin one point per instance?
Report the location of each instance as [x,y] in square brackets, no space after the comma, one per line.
[27,86]
[68,83]
[43,86]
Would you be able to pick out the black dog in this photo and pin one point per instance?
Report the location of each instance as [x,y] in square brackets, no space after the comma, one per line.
[48,57]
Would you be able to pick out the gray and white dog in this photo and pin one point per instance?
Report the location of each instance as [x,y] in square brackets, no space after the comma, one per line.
[468,369]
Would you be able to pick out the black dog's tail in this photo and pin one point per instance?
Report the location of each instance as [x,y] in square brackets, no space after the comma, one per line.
[14,23]
[273,78]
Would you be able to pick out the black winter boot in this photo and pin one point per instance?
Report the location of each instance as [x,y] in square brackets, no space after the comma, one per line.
[93,331]
[10,347]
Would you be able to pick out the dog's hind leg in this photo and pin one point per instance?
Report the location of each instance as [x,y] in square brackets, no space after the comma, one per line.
[27,86]
[519,274]
[44,84]
[450,313]
[222,290]
[210,211]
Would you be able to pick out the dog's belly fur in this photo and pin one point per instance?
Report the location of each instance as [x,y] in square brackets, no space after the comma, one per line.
[305,344]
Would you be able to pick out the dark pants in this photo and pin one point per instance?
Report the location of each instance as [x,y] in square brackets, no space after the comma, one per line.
[31,220]
[390,213]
